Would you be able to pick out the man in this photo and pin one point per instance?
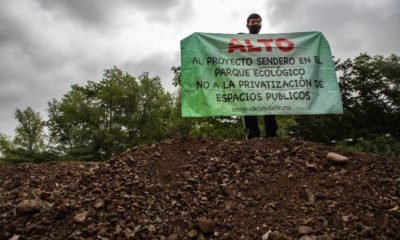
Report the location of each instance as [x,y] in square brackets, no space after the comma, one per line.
[251,122]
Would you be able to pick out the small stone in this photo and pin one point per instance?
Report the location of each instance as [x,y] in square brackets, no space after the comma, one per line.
[308,221]
[118,230]
[306,237]
[36,192]
[99,203]
[137,229]
[173,237]
[260,159]
[311,165]
[102,231]
[167,141]
[129,234]
[151,228]
[265,236]
[310,196]
[395,209]
[305,230]
[91,228]
[206,225]
[337,158]
[15,237]
[325,237]
[192,234]
[80,217]
[290,176]
[29,206]
[204,199]
[275,235]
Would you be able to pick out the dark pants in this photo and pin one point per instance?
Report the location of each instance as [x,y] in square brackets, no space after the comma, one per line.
[252,129]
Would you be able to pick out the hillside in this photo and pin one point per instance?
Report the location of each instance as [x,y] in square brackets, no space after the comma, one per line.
[206,189]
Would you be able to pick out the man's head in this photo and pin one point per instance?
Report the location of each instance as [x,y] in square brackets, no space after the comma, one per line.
[254,23]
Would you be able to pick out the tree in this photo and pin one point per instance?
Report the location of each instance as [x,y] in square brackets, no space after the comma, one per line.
[370,89]
[98,120]
[179,126]
[5,144]
[29,132]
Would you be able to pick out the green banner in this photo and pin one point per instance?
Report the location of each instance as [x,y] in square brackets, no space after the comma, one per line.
[258,74]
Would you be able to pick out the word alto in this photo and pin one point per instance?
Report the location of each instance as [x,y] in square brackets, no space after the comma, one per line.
[282,44]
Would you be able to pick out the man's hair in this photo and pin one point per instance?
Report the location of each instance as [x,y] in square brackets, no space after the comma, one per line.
[253,15]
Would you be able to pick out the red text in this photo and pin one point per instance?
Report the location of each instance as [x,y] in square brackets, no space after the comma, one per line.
[282,44]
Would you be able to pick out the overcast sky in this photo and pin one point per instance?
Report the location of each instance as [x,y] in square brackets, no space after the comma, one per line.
[48,45]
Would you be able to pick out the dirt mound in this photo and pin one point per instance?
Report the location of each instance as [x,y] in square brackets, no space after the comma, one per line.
[206,189]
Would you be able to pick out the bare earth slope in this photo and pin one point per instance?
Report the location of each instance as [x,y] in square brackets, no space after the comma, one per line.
[206,189]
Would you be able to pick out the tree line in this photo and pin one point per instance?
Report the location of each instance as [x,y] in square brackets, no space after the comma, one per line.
[101,119]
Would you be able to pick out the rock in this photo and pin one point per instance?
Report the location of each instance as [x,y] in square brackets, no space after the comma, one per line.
[306,237]
[91,228]
[395,209]
[128,233]
[173,237]
[167,141]
[337,158]
[151,228]
[206,225]
[36,192]
[15,237]
[163,197]
[311,165]
[310,196]
[305,230]
[118,230]
[275,235]
[260,159]
[137,229]
[325,237]
[80,217]
[99,203]
[192,234]
[266,235]
[30,206]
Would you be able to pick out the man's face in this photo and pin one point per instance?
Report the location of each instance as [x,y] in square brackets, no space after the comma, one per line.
[254,25]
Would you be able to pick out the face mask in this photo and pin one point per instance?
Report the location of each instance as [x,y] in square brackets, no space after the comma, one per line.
[255,28]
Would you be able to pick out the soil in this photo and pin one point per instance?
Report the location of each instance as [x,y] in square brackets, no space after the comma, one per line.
[206,189]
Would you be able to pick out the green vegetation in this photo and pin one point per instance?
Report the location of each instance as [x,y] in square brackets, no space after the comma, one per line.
[370,88]
[102,119]
[384,145]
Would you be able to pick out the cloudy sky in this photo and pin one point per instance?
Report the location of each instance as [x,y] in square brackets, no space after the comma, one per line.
[48,45]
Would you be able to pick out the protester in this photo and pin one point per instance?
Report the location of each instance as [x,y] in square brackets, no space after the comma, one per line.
[251,122]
